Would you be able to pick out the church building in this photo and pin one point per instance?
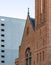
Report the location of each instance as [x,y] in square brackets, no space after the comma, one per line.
[35,48]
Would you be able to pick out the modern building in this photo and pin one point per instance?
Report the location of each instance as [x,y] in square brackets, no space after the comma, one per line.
[11,30]
[35,48]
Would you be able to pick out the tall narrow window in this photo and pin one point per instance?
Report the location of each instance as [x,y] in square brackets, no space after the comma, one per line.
[27,61]
[28,57]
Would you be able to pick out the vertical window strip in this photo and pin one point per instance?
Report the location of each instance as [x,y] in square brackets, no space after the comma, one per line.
[28,58]
[30,61]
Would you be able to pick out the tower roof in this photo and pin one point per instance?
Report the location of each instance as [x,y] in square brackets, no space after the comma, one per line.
[32,20]
[28,11]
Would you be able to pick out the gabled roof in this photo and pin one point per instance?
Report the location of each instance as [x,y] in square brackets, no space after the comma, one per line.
[32,20]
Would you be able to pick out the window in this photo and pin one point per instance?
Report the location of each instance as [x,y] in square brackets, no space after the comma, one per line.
[26,61]
[28,57]
[2,40]
[2,56]
[2,24]
[2,50]
[2,30]
[2,45]
[30,60]
[2,61]
[2,35]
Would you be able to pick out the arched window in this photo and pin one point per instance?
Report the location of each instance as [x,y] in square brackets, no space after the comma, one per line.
[28,57]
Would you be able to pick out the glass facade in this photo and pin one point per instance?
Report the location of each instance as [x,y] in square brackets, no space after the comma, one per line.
[11,32]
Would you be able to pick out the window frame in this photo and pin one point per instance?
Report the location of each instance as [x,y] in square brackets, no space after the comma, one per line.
[28,57]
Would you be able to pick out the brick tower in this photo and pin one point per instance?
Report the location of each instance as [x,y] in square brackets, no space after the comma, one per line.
[40,12]
[43,19]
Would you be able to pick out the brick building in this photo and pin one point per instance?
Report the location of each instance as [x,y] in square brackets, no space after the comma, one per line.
[35,47]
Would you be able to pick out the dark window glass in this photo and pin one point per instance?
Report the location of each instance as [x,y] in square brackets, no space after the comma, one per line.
[2,40]
[2,56]
[2,24]
[30,54]
[30,60]
[2,61]
[26,61]
[2,30]
[2,35]
[2,50]
[2,45]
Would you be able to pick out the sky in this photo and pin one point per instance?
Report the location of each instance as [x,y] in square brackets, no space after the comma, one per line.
[17,8]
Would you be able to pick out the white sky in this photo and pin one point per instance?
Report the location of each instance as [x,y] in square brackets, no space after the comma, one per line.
[17,8]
